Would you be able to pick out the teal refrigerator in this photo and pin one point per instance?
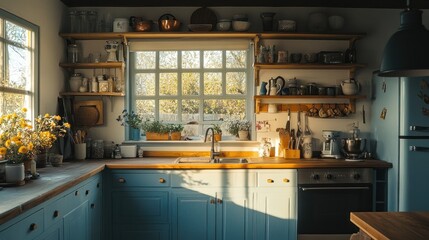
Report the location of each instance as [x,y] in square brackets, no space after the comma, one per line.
[400,131]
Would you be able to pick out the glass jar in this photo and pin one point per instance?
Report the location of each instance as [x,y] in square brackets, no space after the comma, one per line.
[302,90]
[72,53]
[307,147]
[97,149]
[92,21]
[312,89]
[265,147]
[74,22]
[84,23]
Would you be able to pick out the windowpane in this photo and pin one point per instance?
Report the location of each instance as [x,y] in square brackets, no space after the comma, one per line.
[214,109]
[168,59]
[236,59]
[145,108]
[236,83]
[190,110]
[190,59]
[1,62]
[212,83]
[168,110]
[168,84]
[146,60]
[212,59]
[18,34]
[190,84]
[145,84]
[11,102]
[19,64]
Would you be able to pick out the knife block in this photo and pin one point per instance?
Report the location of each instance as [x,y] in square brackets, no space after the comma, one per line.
[292,153]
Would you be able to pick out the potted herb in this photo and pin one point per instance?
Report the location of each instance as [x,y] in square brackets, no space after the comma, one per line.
[239,128]
[155,130]
[133,120]
[217,132]
[175,131]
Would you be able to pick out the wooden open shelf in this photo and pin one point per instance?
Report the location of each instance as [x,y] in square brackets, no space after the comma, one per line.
[93,65]
[108,94]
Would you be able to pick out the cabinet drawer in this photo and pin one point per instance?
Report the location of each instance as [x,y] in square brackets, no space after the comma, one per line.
[140,180]
[284,178]
[213,178]
[28,228]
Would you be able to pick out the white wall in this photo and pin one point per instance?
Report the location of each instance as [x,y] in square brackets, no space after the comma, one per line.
[48,15]
[379,24]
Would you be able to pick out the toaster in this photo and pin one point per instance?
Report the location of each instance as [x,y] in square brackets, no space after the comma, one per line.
[331,57]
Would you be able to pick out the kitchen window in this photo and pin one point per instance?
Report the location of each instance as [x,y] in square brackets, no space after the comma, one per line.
[18,64]
[201,82]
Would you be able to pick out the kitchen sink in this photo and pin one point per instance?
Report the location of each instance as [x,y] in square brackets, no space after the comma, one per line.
[207,160]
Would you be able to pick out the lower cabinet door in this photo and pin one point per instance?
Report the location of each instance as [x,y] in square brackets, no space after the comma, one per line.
[55,232]
[193,215]
[234,216]
[76,223]
[141,231]
[276,214]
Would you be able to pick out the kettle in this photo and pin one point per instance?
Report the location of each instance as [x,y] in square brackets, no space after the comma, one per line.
[276,85]
[350,87]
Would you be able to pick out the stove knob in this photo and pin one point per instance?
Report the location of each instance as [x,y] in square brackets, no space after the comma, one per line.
[315,177]
[356,176]
[329,176]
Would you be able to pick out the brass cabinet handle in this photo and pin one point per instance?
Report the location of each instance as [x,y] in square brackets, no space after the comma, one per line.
[33,227]
[121,180]
[219,201]
[270,180]
[286,180]
[212,201]
[162,180]
[56,213]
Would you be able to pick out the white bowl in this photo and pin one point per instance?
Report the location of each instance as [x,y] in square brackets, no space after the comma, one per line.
[287,26]
[240,26]
[223,25]
[128,151]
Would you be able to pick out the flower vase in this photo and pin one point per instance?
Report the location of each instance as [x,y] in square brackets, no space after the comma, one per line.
[41,159]
[15,173]
[243,135]
[135,134]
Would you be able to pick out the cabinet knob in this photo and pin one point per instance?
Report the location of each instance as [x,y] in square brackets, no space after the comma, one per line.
[92,205]
[162,180]
[219,201]
[86,192]
[33,227]
[56,213]
[121,180]
[286,180]
[212,201]
[76,193]
[98,185]
[270,180]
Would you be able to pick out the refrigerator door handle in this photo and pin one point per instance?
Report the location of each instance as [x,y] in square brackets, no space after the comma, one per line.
[418,128]
[419,149]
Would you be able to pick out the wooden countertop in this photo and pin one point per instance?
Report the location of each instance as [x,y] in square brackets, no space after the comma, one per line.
[54,180]
[393,225]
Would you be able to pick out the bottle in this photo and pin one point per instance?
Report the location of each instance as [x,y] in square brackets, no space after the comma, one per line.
[97,149]
[72,53]
[350,54]
[117,151]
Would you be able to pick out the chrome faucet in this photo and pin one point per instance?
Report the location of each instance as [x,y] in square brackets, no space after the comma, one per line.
[212,150]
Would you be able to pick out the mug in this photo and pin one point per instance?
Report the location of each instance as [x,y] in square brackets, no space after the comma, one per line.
[282,56]
[272,108]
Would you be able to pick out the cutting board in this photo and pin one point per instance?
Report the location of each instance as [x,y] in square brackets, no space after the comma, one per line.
[284,137]
[204,16]
[88,113]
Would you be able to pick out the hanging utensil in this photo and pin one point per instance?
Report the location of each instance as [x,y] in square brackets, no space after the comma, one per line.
[307,130]
[287,128]
[363,114]
[298,128]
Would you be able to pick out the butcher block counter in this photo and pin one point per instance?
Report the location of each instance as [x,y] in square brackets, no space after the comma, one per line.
[55,180]
[393,225]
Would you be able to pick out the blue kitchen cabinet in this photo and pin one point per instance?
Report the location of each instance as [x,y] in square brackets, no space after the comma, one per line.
[66,216]
[138,205]
[275,210]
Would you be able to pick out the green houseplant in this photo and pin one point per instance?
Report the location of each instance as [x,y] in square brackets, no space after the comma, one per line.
[175,131]
[155,130]
[239,128]
[217,132]
[133,120]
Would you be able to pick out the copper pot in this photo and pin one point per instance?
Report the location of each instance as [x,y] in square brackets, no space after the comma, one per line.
[140,25]
[168,23]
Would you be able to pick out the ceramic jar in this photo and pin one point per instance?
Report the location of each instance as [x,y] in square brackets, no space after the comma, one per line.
[14,172]
[75,82]
[307,147]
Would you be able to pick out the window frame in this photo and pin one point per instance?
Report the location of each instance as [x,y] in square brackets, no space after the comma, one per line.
[203,124]
[33,93]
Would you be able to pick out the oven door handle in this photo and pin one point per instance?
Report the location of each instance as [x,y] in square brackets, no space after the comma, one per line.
[333,188]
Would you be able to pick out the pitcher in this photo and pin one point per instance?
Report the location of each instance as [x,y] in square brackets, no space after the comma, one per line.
[275,86]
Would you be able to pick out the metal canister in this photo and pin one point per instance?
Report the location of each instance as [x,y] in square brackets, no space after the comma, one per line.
[97,149]
[292,89]
[312,89]
[322,90]
[302,90]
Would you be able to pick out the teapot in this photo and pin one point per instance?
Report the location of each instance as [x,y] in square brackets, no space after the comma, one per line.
[350,87]
[275,86]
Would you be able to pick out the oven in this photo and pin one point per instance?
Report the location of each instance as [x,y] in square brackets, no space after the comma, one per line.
[327,196]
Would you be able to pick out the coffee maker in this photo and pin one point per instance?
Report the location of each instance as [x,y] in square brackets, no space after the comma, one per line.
[331,147]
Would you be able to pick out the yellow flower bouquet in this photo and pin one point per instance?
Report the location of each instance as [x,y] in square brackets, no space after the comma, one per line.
[20,141]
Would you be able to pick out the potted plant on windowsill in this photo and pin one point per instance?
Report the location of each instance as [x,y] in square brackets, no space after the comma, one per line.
[239,128]
[133,120]
[175,131]
[217,132]
[155,130]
